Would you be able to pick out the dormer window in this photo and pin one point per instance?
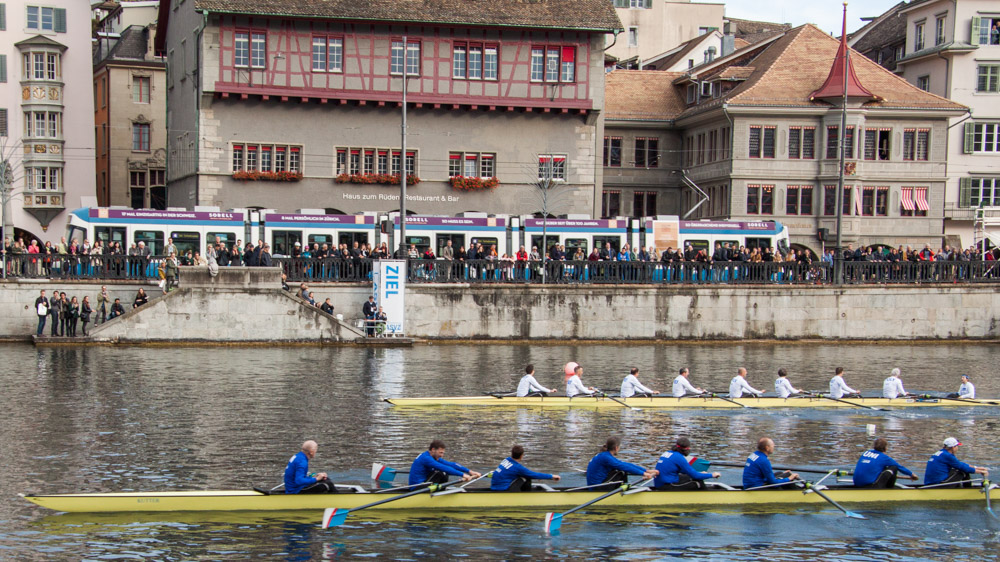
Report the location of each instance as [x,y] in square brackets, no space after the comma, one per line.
[706,89]
[692,93]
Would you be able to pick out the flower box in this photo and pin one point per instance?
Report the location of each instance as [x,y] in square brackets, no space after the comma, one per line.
[267,176]
[463,183]
[376,179]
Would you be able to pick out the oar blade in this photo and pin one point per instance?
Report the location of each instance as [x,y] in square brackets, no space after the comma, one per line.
[553,521]
[854,515]
[334,517]
[383,473]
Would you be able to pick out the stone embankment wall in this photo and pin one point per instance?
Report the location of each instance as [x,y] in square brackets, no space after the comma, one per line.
[248,309]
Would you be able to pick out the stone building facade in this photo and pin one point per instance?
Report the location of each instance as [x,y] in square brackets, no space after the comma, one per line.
[759,137]
[303,109]
[46,115]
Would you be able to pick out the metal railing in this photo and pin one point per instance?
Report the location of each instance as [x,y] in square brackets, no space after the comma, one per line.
[336,270]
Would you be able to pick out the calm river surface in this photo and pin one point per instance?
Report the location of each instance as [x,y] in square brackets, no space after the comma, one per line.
[107,419]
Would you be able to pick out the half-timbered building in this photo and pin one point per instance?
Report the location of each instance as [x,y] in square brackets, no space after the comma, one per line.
[286,104]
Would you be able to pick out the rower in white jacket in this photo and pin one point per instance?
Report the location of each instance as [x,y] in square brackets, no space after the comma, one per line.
[783,387]
[967,390]
[574,384]
[682,386]
[528,386]
[893,386]
[739,385]
[839,388]
[631,385]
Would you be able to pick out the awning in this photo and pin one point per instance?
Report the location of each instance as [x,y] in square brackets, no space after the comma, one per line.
[920,197]
[905,198]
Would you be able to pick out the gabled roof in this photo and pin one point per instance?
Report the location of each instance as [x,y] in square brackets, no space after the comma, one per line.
[592,15]
[795,65]
[41,40]
[680,52]
[643,95]
[131,45]
[753,31]
[886,29]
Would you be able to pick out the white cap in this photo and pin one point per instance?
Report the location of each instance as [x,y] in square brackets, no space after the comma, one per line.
[951,442]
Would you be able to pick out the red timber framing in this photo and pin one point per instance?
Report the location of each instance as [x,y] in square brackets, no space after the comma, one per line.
[364,76]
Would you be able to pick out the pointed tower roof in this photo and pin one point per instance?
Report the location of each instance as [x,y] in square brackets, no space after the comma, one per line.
[834,87]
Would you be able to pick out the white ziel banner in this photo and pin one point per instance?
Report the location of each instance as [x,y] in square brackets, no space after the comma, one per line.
[389,286]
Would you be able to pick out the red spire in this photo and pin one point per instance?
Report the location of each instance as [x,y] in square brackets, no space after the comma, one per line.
[834,86]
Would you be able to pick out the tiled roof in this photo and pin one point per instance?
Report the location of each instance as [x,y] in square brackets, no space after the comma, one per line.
[887,29]
[739,43]
[680,53]
[753,31]
[559,14]
[792,67]
[642,95]
[736,73]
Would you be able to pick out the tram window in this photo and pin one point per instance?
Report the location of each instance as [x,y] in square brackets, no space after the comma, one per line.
[550,240]
[109,234]
[153,239]
[758,243]
[457,241]
[350,238]
[572,244]
[698,245]
[75,232]
[487,243]
[615,241]
[732,243]
[282,241]
[228,238]
[421,242]
[185,241]
[320,239]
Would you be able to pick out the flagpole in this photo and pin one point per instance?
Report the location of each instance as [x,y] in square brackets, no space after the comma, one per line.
[838,258]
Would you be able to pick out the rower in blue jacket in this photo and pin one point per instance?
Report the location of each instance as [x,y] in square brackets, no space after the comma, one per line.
[757,471]
[675,472]
[876,469]
[513,476]
[430,466]
[297,478]
[944,466]
[606,468]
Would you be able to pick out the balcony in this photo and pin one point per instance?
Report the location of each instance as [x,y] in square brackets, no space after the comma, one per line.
[954,211]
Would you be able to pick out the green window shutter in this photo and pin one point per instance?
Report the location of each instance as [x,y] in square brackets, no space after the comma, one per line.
[3,68]
[3,17]
[648,4]
[965,192]
[970,131]
[974,32]
[60,14]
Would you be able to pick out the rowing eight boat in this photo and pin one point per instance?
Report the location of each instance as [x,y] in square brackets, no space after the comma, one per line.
[483,499]
[686,402]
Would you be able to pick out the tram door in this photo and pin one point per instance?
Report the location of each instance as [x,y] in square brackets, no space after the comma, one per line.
[350,238]
[109,234]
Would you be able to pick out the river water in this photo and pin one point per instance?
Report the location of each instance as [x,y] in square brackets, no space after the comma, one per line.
[121,419]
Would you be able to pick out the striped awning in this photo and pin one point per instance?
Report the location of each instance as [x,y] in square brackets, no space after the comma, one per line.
[857,202]
[906,198]
[920,197]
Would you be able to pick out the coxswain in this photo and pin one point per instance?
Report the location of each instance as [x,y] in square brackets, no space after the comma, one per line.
[606,468]
[757,471]
[783,387]
[632,387]
[675,472]
[739,385]
[839,388]
[682,386]
[967,390]
[430,466]
[875,469]
[893,385]
[944,466]
[512,476]
[528,386]
[574,384]
[297,477]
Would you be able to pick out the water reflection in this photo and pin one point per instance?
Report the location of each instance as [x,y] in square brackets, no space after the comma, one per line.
[116,419]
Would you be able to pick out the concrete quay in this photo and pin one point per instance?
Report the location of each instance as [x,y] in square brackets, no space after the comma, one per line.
[245,305]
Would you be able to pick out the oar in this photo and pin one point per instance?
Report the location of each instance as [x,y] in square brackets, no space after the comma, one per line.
[855,404]
[334,517]
[605,395]
[727,399]
[462,487]
[836,471]
[809,487]
[553,521]
[987,486]
[383,473]
[966,400]
[499,395]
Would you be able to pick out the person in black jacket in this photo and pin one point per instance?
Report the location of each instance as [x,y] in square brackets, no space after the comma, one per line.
[55,310]
[85,311]
[264,259]
[369,310]
[42,310]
